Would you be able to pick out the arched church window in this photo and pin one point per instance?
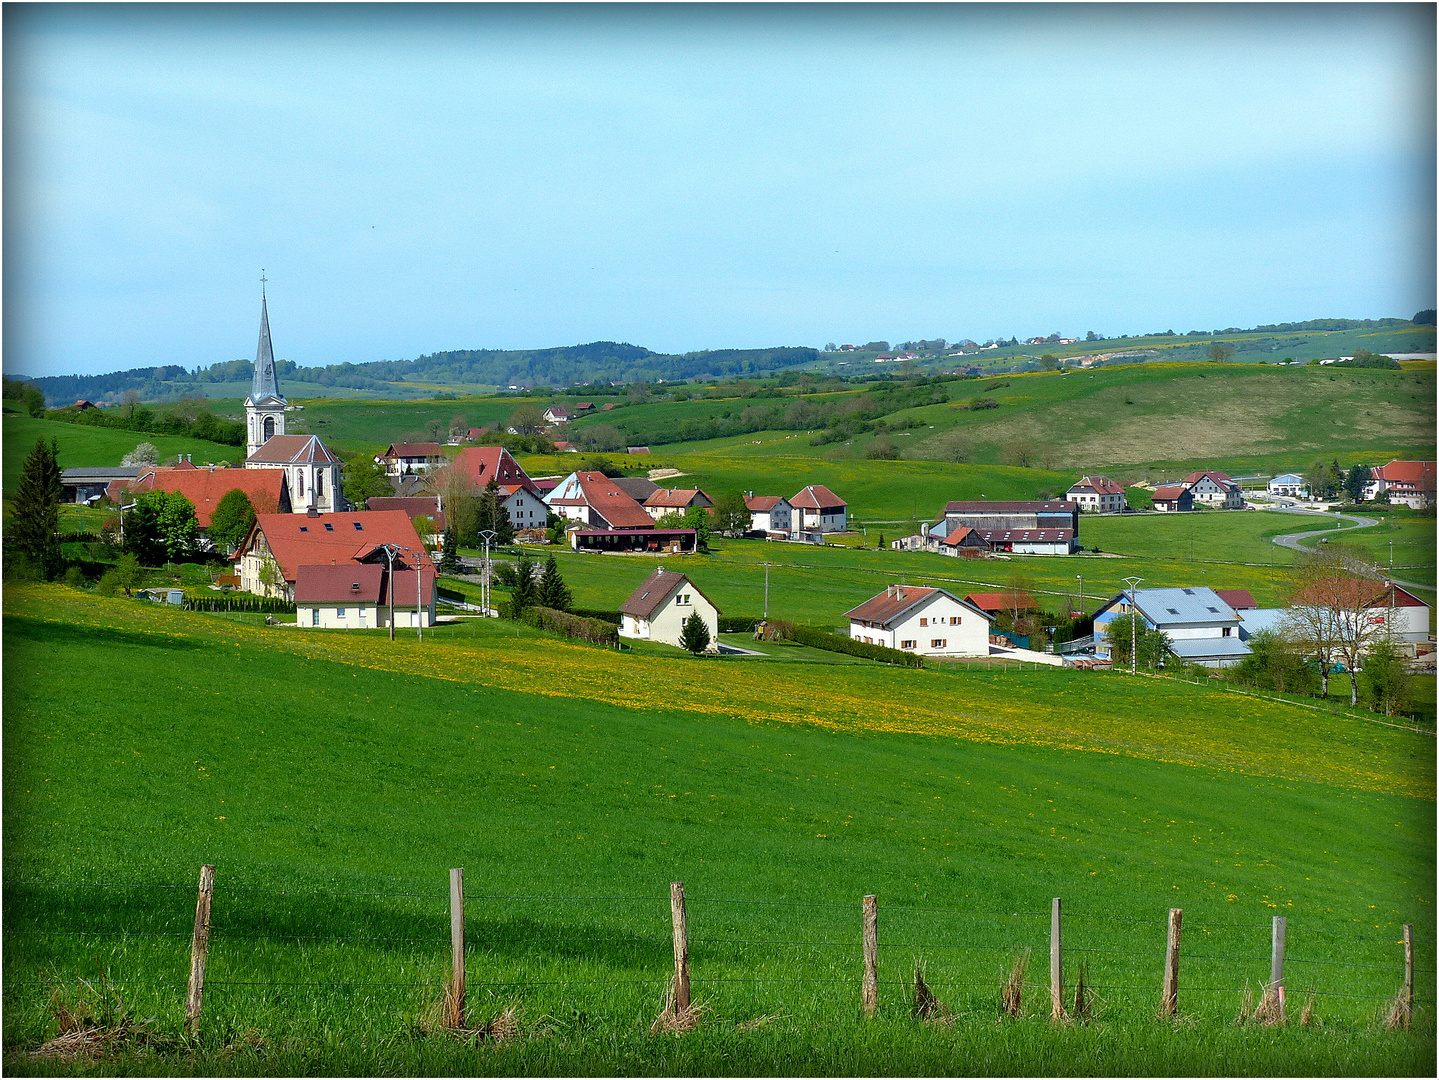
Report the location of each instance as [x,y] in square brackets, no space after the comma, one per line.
[269,427]
[300,480]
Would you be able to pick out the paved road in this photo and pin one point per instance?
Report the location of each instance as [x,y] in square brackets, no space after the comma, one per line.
[1294,540]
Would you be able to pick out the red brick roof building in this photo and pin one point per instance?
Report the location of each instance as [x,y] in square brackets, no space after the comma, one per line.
[267,489]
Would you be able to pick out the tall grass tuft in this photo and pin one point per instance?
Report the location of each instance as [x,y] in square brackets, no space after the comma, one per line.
[1306,1014]
[926,1006]
[1270,1010]
[1083,996]
[674,1020]
[1400,1015]
[1246,1004]
[1011,996]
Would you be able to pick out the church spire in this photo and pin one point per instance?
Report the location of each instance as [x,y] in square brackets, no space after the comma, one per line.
[265,384]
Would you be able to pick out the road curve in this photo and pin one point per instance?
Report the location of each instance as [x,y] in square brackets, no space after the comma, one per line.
[1293,540]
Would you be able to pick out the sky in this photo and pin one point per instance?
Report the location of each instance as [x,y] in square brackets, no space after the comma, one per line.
[415,178]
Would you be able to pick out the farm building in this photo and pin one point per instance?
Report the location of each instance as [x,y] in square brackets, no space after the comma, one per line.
[595,500]
[1173,498]
[1098,495]
[921,620]
[1216,489]
[769,513]
[658,609]
[817,509]
[84,484]
[1202,628]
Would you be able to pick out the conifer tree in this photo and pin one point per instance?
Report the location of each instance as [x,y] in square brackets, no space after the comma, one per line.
[695,635]
[524,594]
[450,553]
[37,509]
[553,592]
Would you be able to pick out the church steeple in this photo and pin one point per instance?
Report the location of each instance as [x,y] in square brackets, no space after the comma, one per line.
[265,407]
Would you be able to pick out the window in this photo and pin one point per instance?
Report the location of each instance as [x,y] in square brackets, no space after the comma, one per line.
[937,643]
[329,527]
[925,622]
[359,526]
[954,620]
[1228,631]
[320,483]
[684,598]
[339,613]
[908,644]
[304,528]
[314,616]
[300,482]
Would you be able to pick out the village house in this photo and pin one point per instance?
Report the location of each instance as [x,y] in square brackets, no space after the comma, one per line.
[358,595]
[659,608]
[1202,628]
[414,507]
[921,620]
[769,513]
[1411,483]
[519,495]
[557,414]
[1216,489]
[267,489]
[817,509]
[1173,498]
[87,483]
[1097,495]
[268,560]
[409,459]
[1290,485]
[664,501]
[610,520]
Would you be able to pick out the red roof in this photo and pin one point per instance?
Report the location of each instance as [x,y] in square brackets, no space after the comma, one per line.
[1222,479]
[603,496]
[1238,599]
[321,584]
[480,463]
[1169,492]
[890,604]
[415,449]
[297,540]
[1417,475]
[957,537]
[1100,485]
[654,591]
[817,497]
[293,450]
[679,498]
[763,504]
[205,488]
[1001,601]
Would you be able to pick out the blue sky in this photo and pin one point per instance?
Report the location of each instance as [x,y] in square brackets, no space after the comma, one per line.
[422,178]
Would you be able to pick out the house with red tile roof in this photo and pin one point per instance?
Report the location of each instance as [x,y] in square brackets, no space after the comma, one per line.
[269,558]
[927,621]
[267,489]
[1238,599]
[769,513]
[1214,488]
[1409,482]
[1097,495]
[995,602]
[594,499]
[819,510]
[360,595]
[404,459]
[659,608]
[1172,498]
[664,501]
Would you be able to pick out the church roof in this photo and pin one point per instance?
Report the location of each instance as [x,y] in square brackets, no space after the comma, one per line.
[264,387]
[293,450]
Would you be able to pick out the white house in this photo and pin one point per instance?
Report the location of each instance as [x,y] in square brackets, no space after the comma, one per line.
[407,459]
[769,513]
[1407,482]
[557,414]
[658,609]
[662,501]
[1202,628]
[1098,495]
[1214,488]
[817,509]
[927,621]
[356,596]
[1289,484]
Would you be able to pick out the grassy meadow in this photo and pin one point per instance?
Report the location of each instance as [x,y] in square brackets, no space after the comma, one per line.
[333,779]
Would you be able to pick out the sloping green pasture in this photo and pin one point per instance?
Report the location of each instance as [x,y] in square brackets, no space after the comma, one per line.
[333,779]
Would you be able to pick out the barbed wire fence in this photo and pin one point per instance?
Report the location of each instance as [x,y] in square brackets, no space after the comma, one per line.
[246,951]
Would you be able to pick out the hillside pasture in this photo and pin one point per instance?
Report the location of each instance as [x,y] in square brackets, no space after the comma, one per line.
[332,779]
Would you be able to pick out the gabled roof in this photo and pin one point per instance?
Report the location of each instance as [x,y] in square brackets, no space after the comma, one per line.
[414,449]
[602,495]
[1350,592]
[1051,506]
[679,498]
[297,540]
[638,488]
[959,535]
[1100,485]
[898,600]
[655,590]
[480,463]
[763,504]
[1238,599]
[816,497]
[293,450]
[266,488]
[1221,479]
[1001,601]
[326,583]
[1170,491]
[1418,474]
[1180,607]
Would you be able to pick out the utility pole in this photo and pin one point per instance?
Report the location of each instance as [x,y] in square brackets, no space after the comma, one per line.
[766,590]
[1133,626]
[486,535]
[389,550]
[1081,591]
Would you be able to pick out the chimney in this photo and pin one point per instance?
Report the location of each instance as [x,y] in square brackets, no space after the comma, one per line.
[312,512]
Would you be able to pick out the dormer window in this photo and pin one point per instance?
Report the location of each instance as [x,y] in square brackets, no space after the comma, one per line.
[329,527]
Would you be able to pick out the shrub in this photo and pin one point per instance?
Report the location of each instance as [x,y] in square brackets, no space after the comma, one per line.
[595,631]
[737,624]
[599,613]
[779,630]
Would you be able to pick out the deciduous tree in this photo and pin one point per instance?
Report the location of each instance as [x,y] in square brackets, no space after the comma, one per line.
[363,478]
[232,520]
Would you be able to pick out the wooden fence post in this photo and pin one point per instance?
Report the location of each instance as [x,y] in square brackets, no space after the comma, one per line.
[455,999]
[1169,1001]
[682,945]
[1408,971]
[1276,962]
[869,988]
[199,950]
[1056,964]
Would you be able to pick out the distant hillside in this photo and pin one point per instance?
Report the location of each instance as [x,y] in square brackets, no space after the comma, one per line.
[599,361]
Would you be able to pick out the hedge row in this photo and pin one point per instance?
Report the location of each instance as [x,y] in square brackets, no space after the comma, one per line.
[78,537]
[269,605]
[737,624]
[601,614]
[595,631]
[778,630]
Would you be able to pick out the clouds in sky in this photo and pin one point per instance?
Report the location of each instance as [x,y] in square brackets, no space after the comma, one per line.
[420,178]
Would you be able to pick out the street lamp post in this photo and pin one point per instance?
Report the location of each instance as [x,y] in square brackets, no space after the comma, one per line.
[389,550]
[487,535]
[1081,593]
[1133,626]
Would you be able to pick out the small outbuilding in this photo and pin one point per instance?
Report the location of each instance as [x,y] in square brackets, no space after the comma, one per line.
[659,608]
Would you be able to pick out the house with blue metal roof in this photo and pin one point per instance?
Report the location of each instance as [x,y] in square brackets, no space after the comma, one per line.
[1201,627]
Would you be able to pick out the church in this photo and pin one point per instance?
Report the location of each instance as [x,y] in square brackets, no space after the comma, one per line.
[311,470]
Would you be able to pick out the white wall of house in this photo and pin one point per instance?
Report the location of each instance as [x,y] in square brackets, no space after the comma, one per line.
[779,518]
[939,627]
[814,521]
[1206,491]
[527,511]
[352,616]
[666,623]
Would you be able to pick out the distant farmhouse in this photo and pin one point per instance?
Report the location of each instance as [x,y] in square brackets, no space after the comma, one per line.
[808,515]
[1289,484]
[1408,482]
[1098,495]
[610,519]
[930,622]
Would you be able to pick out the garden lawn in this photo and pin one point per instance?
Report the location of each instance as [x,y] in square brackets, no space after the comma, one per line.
[333,779]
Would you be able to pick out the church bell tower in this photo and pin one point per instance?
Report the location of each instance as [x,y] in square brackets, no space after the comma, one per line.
[265,407]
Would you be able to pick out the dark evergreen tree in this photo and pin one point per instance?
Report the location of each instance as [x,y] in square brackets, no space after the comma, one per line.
[450,553]
[1354,483]
[553,592]
[524,594]
[35,521]
[695,635]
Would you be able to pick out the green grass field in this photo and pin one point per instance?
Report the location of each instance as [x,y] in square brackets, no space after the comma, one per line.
[92,446]
[333,779]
